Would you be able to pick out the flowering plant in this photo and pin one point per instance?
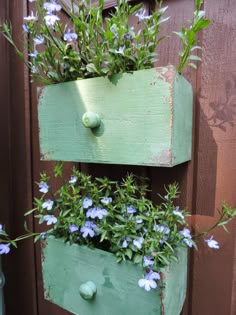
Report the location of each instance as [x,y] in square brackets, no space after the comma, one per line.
[117,217]
[88,44]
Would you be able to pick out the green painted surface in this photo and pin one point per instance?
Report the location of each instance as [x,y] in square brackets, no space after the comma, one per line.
[146,119]
[67,267]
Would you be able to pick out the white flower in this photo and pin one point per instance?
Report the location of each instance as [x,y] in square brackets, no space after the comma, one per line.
[51,19]
[70,37]
[38,40]
[52,6]
[34,54]
[178,213]
[50,219]
[31,18]
[148,282]
[48,204]
[212,243]
[141,14]
[106,200]
[186,233]
[138,242]
[43,187]
[73,179]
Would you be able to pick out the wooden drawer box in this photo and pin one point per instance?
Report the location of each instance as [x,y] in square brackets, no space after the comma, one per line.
[66,267]
[142,118]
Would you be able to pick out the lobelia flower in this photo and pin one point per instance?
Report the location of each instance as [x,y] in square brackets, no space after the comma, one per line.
[48,204]
[96,213]
[43,235]
[187,237]
[106,200]
[161,228]
[70,37]
[52,6]
[121,50]
[212,243]
[131,210]
[34,54]
[34,69]
[139,220]
[73,179]
[25,28]
[88,229]
[38,40]
[141,14]
[31,18]
[50,219]
[148,282]
[51,19]
[4,249]
[178,213]
[148,261]
[87,202]
[138,242]
[43,187]
[126,242]
[73,228]
[163,240]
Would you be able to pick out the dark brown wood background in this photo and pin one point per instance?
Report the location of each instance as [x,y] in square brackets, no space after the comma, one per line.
[204,182]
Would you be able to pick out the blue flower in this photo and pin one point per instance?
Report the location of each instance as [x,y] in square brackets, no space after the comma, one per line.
[96,213]
[73,228]
[138,242]
[43,187]
[25,28]
[87,202]
[163,240]
[34,54]
[73,179]
[88,229]
[141,14]
[4,249]
[52,6]
[31,18]
[187,237]
[106,200]
[161,228]
[121,50]
[50,219]
[43,235]
[149,280]
[131,210]
[212,243]
[126,242]
[139,220]
[70,37]
[148,261]
[51,19]
[38,40]
[48,204]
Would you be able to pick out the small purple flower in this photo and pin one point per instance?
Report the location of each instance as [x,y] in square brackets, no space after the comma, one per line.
[25,28]
[149,280]
[73,228]
[50,219]
[148,261]
[212,243]
[87,202]
[96,213]
[138,242]
[34,54]
[73,179]
[51,19]
[178,213]
[43,187]
[70,37]
[121,50]
[31,18]
[106,200]
[48,204]
[187,237]
[161,228]
[4,249]
[43,235]
[126,242]
[52,6]
[163,240]
[141,14]
[131,210]
[38,40]
[88,229]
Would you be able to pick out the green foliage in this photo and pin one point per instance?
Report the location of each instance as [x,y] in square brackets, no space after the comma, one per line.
[90,44]
[189,39]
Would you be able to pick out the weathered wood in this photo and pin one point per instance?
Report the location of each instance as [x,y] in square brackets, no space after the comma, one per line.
[146,119]
[117,289]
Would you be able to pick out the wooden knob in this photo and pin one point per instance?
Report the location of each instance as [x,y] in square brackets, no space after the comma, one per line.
[91,120]
[88,290]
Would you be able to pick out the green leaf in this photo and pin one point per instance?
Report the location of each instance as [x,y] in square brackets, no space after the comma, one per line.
[195,58]
[138,259]
[91,68]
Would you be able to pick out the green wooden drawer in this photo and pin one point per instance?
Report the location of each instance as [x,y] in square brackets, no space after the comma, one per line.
[145,119]
[66,267]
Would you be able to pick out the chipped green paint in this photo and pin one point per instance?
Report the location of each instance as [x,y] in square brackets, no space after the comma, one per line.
[68,267]
[144,118]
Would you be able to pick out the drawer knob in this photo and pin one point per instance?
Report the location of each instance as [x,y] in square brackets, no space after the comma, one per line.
[88,290]
[91,120]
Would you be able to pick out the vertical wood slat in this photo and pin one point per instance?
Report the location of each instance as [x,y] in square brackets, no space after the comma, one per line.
[16,176]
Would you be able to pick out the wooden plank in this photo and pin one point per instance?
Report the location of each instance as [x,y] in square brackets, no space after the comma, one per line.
[216,176]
